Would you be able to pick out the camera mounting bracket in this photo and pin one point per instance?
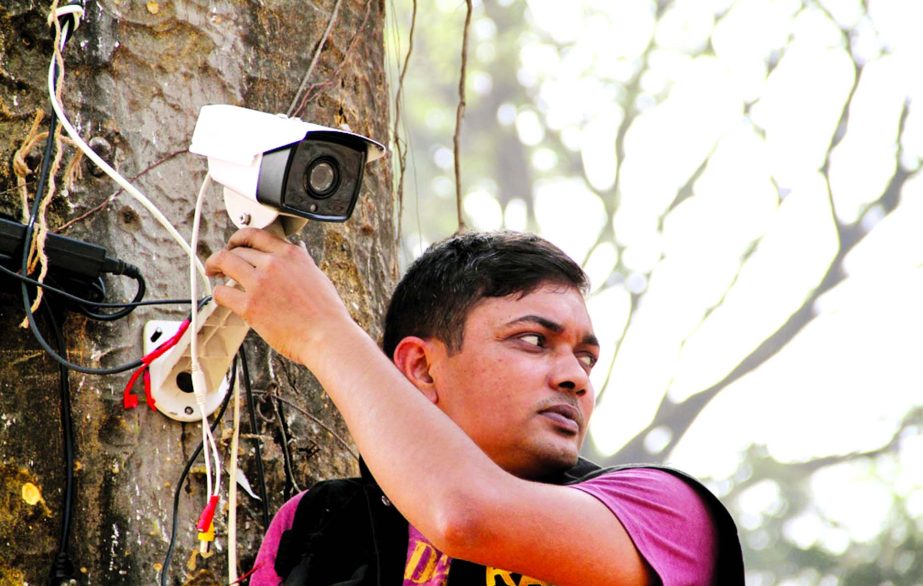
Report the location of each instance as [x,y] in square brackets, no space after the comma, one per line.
[220,335]
[245,212]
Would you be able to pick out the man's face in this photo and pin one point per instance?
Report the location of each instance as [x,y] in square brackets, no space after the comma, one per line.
[519,386]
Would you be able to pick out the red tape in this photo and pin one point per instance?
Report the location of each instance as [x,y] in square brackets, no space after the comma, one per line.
[130,401]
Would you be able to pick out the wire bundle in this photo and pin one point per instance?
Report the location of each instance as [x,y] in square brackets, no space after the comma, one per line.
[65,20]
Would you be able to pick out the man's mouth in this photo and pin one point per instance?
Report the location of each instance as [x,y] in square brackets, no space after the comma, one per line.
[566,417]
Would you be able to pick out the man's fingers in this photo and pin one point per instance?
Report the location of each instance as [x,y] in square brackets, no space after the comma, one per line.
[231,264]
[256,239]
[230,297]
[253,257]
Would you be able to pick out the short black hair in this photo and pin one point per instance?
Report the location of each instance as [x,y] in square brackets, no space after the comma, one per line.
[440,287]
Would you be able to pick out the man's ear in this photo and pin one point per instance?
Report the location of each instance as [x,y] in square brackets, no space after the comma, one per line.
[413,357]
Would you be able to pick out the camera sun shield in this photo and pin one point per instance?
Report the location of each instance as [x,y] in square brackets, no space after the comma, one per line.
[318,178]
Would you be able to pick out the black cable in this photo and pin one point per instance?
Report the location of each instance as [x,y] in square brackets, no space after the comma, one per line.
[168,557]
[97,304]
[101,371]
[290,484]
[254,431]
[134,273]
[27,245]
[62,569]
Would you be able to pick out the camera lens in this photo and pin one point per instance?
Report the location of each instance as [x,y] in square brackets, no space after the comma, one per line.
[318,178]
[322,177]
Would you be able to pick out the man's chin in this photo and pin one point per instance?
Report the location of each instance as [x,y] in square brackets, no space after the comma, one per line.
[552,463]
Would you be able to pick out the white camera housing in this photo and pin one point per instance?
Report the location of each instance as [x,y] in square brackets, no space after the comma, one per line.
[267,164]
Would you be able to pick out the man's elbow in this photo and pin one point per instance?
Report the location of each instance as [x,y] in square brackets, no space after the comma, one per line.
[462,530]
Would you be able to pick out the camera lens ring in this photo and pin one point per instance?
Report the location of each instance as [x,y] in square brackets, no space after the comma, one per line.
[322,177]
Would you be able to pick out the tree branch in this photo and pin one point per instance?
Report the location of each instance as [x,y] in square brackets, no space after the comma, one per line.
[400,146]
[678,416]
[459,113]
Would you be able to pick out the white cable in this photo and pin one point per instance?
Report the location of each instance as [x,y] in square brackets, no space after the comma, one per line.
[123,183]
[199,383]
[232,488]
[74,9]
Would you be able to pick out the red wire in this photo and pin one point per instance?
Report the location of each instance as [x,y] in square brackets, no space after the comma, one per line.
[247,575]
[130,401]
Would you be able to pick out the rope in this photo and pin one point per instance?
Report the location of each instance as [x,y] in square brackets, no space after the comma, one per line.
[20,167]
[37,255]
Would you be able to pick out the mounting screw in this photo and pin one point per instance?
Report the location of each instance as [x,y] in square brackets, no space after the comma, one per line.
[189,410]
[245,219]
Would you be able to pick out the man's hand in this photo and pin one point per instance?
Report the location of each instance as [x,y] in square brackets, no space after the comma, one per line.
[280,292]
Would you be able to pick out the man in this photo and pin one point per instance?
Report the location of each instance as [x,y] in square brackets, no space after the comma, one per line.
[470,433]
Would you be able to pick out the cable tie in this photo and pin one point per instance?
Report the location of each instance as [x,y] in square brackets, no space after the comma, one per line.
[208,514]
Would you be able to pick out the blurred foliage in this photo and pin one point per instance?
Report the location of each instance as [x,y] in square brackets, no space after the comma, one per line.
[740,180]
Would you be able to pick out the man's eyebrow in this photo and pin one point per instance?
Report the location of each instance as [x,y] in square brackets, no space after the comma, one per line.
[551,326]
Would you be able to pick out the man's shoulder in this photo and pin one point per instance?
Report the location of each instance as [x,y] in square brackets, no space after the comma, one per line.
[664,489]
[670,496]
[654,478]
[659,489]
[586,470]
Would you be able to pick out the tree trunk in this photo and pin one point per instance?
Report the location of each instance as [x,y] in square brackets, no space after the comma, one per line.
[136,75]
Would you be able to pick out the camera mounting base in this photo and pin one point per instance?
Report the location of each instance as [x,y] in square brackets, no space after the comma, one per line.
[220,335]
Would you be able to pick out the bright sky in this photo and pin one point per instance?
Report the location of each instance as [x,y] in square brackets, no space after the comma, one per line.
[848,378]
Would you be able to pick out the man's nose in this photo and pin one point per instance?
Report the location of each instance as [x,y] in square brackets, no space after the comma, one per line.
[570,375]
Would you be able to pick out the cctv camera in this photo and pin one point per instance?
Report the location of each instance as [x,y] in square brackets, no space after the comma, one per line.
[272,166]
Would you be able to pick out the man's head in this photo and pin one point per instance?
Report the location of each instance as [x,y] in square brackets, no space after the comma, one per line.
[452,276]
[494,330]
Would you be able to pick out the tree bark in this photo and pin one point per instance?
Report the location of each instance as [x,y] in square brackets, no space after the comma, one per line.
[136,75]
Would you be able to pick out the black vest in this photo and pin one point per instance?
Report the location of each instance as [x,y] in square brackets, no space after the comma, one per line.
[346,533]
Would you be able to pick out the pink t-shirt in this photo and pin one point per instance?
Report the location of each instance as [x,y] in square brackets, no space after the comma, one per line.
[665,518]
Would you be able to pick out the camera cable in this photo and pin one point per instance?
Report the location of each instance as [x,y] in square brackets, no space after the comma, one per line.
[199,382]
[62,569]
[82,301]
[168,556]
[133,191]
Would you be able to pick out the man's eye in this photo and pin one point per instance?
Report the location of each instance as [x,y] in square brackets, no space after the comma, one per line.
[588,360]
[533,339]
